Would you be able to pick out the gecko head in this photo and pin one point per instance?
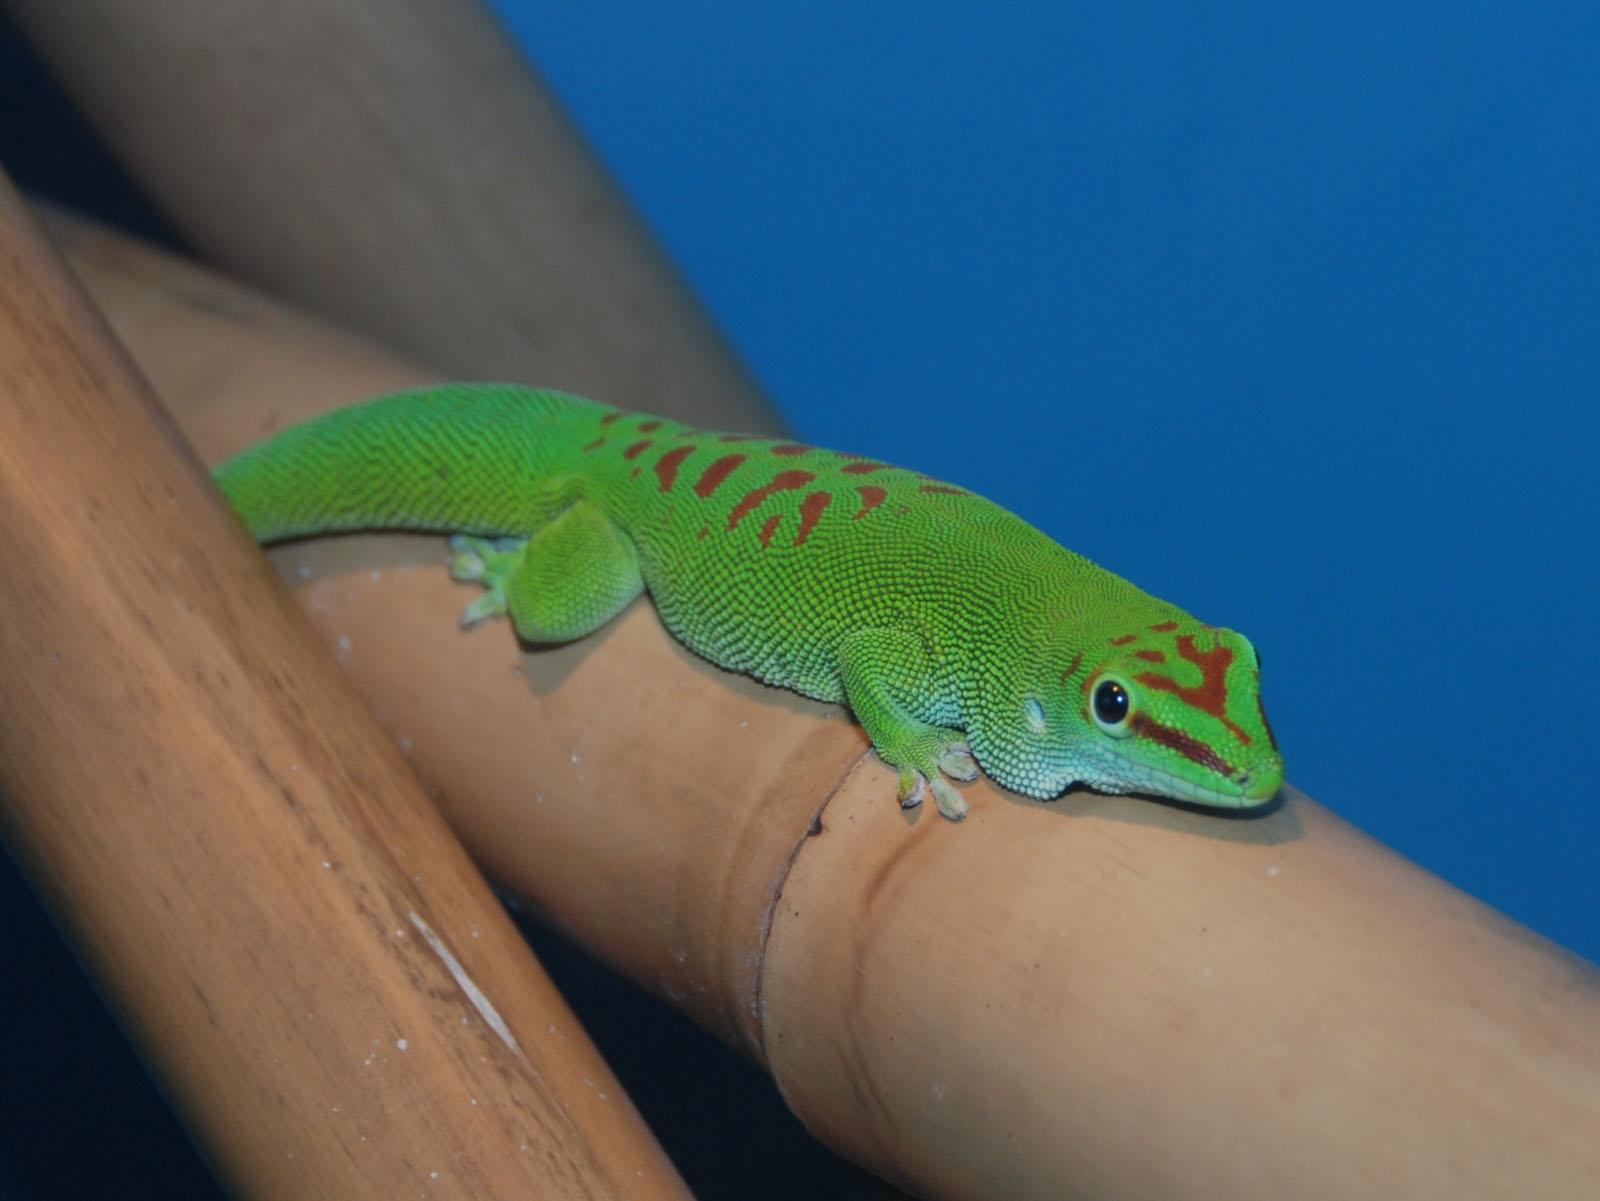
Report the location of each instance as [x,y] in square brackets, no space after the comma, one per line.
[1171,709]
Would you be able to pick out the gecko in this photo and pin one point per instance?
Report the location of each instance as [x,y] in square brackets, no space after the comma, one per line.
[960,636]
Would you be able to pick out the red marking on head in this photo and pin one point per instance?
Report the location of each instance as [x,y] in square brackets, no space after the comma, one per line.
[715,474]
[1165,627]
[1211,695]
[637,449]
[646,426]
[943,489]
[609,418]
[863,467]
[811,510]
[1187,745]
[784,481]
[667,465]
[1150,656]
[596,444]
[871,497]
[1072,668]
[768,527]
[1124,640]
[791,448]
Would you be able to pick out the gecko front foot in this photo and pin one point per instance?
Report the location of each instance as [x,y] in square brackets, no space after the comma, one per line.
[914,786]
[922,754]
[951,757]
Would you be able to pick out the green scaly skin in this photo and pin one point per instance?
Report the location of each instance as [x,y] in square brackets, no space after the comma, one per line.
[957,633]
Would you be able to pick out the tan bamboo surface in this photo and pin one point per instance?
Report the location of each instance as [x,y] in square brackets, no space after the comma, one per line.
[321,979]
[398,167]
[1100,997]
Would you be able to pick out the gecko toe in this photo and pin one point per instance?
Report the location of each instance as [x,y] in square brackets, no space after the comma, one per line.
[951,803]
[468,558]
[956,761]
[913,788]
[490,604]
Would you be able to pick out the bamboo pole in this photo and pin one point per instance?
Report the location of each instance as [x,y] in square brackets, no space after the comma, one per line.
[323,983]
[1097,997]
[398,167]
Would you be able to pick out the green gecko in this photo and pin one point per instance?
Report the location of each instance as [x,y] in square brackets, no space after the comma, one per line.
[957,633]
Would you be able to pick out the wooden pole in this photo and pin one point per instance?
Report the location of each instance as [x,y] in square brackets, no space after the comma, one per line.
[321,980]
[398,167]
[1097,997]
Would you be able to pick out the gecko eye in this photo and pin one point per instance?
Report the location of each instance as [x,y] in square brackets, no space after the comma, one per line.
[1111,706]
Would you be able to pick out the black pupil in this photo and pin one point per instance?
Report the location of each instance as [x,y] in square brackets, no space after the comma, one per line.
[1111,702]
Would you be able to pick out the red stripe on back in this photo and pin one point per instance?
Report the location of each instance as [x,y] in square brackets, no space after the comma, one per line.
[871,497]
[942,489]
[784,481]
[864,467]
[811,510]
[791,448]
[769,527]
[637,449]
[667,465]
[712,476]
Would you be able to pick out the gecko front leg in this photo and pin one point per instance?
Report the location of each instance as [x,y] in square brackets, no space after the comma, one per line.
[879,667]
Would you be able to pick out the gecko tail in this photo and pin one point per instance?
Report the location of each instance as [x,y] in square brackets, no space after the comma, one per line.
[467,458]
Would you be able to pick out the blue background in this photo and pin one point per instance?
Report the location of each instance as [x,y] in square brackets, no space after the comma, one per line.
[1287,313]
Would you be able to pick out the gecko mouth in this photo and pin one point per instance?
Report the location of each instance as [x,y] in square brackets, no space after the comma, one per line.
[1247,789]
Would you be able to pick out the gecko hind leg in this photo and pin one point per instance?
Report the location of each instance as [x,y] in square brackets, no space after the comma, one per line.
[566,581]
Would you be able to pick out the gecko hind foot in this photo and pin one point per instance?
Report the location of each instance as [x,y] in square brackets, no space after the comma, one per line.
[486,561]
